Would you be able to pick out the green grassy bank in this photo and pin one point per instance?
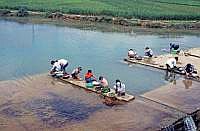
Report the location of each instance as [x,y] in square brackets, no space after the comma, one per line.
[141,9]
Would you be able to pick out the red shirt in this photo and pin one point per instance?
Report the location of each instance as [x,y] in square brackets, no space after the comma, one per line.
[88,75]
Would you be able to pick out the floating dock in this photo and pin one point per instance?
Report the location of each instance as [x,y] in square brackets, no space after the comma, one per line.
[111,94]
[195,52]
[159,62]
[145,63]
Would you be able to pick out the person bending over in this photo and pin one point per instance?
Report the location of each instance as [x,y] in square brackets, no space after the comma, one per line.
[173,47]
[171,64]
[60,64]
[75,73]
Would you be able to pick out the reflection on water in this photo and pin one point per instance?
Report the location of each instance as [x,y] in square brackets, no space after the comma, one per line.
[187,83]
[171,77]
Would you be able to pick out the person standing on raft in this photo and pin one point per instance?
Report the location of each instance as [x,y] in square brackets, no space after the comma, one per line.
[119,88]
[75,73]
[59,65]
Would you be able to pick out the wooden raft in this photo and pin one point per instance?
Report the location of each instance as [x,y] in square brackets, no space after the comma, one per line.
[111,94]
[195,52]
[190,54]
[143,62]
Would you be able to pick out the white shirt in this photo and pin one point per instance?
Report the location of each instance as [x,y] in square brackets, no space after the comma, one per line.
[62,62]
[171,62]
[75,71]
[149,51]
[131,52]
[120,88]
[56,66]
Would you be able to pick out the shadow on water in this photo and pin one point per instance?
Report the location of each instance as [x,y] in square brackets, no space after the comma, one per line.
[56,110]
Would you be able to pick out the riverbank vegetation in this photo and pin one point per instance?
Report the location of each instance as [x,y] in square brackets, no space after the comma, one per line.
[139,9]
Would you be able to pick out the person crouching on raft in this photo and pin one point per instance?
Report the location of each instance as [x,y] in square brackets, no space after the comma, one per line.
[75,73]
[132,54]
[89,77]
[59,65]
[103,84]
[171,64]
[148,52]
[119,88]
[189,70]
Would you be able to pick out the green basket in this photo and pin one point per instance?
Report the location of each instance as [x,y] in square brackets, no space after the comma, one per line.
[89,85]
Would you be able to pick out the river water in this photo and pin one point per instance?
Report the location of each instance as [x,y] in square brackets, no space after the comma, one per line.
[30,100]
[26,49]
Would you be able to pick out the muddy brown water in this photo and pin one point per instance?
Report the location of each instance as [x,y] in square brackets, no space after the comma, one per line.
[42,103]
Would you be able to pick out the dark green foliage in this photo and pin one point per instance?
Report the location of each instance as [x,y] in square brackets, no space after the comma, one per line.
[142,9]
